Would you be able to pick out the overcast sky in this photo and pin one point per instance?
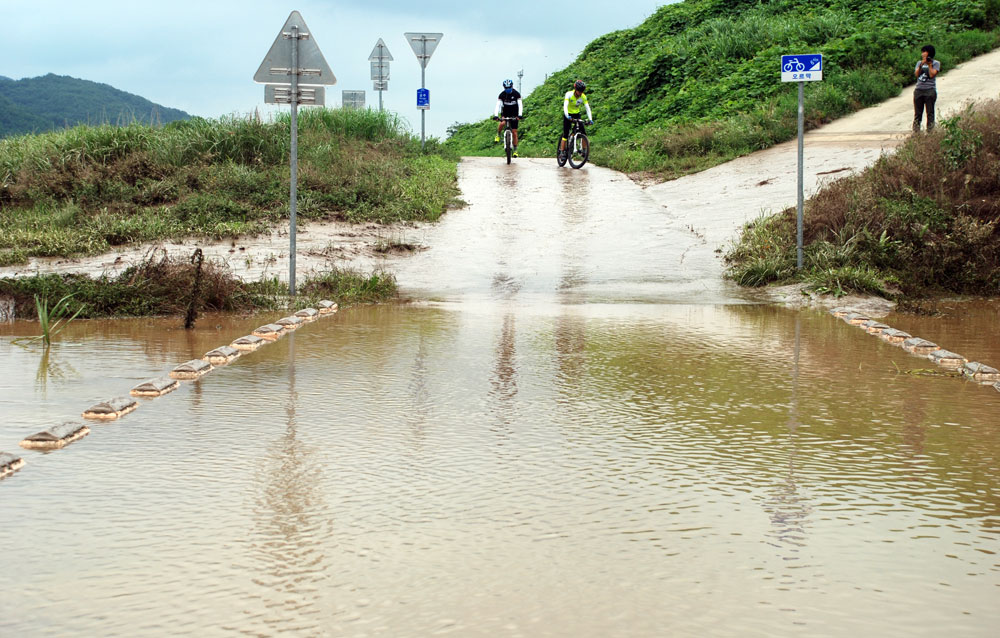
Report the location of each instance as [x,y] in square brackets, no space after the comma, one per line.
[201,56]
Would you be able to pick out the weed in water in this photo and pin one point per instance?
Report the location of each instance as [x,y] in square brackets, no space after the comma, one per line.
[52,320]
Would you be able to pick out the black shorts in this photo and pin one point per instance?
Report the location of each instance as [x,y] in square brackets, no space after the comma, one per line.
[511,123]
[567,122]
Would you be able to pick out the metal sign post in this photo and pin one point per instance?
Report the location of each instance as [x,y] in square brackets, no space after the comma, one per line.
[423,45]
[294,55]
[801,69]
[380,59]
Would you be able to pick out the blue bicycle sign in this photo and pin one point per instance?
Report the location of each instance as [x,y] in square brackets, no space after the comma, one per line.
[802,68]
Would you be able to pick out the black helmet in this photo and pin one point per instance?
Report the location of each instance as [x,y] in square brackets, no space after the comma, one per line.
[508,84]
[579,85]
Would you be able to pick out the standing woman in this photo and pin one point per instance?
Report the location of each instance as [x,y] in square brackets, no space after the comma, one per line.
[925,95]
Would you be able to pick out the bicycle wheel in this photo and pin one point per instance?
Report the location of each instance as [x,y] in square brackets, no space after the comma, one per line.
[560,154]
[508,144]
[579,150]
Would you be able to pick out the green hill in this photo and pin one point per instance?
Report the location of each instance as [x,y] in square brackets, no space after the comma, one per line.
[698,82]
[34,105]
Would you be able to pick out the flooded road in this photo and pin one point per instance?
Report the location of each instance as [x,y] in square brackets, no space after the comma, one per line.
[537,233]
[579,430]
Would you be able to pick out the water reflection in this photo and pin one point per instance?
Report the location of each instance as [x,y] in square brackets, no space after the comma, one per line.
[291,516]
[786,507]
[51,369]
[503,380]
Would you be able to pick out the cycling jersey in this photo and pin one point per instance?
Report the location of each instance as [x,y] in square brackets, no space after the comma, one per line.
[573,104]
[510,104]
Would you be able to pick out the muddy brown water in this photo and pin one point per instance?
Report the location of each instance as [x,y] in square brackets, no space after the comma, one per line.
[575,431]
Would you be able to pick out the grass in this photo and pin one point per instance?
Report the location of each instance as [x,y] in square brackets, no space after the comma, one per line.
[923,221]
[53,320]
[84,190]
[697,83]
[163,287]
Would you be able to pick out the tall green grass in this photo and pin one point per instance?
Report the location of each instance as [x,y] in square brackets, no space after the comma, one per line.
[86,189]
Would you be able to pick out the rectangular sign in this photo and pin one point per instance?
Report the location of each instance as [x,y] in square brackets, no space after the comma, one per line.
[806,67]
[380,71]
[380,86]
[423,99]
[353,99]
[282,94]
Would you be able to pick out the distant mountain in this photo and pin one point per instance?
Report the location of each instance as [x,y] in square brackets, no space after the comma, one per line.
[35,105]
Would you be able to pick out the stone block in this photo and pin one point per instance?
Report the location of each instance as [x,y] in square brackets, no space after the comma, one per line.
[308,314]
[874,327]
[9,464]
[916,345]
[981,372]
[327,307]
[111,409]
[947,359]
[55,437]
[291,323]
[192,369]
[271,331]
[895,337]
[221,356]
[248,343]
[154,387]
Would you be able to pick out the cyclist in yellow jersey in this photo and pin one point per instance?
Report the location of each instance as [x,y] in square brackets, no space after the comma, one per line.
[573,102]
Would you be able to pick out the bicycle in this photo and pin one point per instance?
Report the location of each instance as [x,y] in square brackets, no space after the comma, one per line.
[798,66]
[577,144]
[508,136]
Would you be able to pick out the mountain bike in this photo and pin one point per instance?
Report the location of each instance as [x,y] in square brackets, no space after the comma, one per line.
[577,149]
[508,136]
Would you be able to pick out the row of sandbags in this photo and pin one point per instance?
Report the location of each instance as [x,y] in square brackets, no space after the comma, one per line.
[59,436]
[972,370]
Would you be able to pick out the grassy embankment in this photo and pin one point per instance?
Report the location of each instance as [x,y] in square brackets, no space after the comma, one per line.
[925,220]
[84,190]
[697,83]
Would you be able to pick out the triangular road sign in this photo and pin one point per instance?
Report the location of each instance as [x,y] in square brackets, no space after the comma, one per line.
[423,45]
[380,51]
[277,64]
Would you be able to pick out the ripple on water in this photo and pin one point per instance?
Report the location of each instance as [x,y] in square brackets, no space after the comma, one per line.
[543,470]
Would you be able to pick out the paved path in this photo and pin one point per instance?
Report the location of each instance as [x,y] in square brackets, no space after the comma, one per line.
[718,201]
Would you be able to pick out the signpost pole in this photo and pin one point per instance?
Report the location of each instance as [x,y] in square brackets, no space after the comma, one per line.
[293,198]
[380,79]
[282,67]
[423,85]
[798,232]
